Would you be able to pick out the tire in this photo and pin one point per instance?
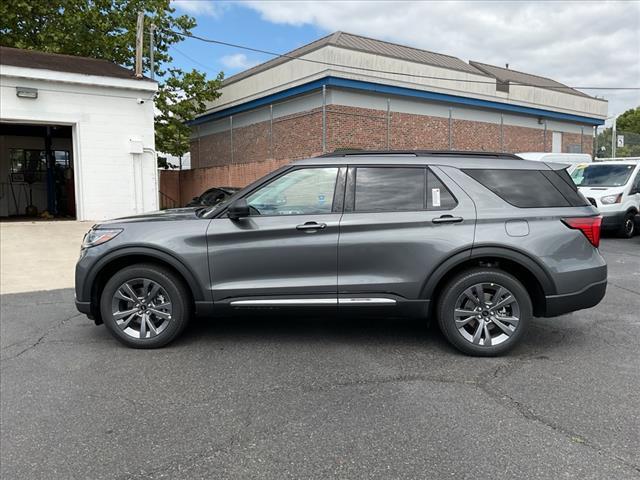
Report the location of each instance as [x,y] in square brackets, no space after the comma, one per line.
[628,227]
[506,321]
[162,301]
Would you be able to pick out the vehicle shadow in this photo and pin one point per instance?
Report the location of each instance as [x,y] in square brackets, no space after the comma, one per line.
[290,328]
[542,337]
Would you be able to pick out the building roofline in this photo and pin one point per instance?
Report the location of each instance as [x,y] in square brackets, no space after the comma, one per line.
[339,82]
[550,83]
[59,62]
[335,39]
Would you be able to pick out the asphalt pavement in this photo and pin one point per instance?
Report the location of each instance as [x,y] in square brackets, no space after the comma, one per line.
[320,398]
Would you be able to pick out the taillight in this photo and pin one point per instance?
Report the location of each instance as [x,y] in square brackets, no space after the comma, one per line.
[590,226]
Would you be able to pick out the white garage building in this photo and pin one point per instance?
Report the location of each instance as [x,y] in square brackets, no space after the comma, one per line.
[76,137]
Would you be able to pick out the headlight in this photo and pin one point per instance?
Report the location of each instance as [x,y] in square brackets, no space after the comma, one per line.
[98,237]
[610,199]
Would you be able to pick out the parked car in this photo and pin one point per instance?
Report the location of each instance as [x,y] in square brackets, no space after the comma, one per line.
[212,197]
[479,241]
[614,189]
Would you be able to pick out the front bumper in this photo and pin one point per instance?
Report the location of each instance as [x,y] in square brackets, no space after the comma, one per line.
[588,297]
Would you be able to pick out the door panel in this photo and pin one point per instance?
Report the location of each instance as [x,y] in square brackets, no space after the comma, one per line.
[259,256]
[288,247]
[393,253]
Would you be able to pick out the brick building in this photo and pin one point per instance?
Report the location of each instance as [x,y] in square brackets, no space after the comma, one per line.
[313,100]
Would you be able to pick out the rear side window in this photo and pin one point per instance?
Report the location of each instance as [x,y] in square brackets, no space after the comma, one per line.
[562,181]
[397,189]
[389,189]
[438,196]
[528,188]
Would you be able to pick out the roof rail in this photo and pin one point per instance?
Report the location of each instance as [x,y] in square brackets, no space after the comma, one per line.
[419,153]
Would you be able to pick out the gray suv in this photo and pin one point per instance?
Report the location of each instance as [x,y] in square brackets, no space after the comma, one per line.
[482,242]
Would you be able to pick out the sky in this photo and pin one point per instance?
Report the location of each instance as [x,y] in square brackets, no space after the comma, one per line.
[580,43]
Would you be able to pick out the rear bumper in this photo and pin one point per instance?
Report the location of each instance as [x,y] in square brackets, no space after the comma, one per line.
[588,297]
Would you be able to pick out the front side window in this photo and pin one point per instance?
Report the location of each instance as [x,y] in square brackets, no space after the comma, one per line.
[300,192]
[602,175]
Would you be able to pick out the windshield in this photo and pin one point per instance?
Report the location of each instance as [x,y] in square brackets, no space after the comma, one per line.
[602,175]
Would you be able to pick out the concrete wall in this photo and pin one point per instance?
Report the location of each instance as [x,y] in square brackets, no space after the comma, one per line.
[296,72]
[105,116]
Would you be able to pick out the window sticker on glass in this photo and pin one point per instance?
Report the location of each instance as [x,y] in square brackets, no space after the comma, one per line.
[435,197]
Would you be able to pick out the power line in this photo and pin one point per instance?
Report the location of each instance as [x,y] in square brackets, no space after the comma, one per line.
[374,70]
[200,64]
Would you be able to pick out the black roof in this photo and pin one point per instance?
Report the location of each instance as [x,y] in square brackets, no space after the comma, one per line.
[18,57]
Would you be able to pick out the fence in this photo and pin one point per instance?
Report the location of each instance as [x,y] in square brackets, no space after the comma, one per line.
[625,144]
[242,147]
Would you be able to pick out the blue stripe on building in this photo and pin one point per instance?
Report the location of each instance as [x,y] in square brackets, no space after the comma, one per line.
[395,91]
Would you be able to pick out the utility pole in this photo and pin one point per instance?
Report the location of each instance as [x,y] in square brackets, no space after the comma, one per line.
[614,134]
[139,38]
[152,65]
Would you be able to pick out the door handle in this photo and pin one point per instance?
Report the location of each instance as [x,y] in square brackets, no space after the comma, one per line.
[447,219]
[308,226]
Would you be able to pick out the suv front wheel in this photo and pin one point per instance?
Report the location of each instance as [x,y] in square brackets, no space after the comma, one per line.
[145,306]
[484,312]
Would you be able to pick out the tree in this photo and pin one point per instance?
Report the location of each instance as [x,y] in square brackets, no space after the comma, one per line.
[629,121]
[106,29]
[628,125]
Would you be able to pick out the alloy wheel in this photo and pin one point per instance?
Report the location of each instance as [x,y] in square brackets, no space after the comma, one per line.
[486,314]
[141,308]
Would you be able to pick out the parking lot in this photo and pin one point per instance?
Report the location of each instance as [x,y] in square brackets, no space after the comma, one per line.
[321,398]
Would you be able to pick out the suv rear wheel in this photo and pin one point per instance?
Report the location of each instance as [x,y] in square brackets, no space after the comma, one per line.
[484,312]
[145,306]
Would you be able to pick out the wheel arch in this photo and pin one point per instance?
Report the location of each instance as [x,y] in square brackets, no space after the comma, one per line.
[111,263]
[534,277]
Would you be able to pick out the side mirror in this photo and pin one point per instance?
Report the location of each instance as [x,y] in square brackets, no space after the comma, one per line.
[195,199]
[238,209]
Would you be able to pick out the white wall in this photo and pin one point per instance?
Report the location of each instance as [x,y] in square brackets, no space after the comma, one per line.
[105,114]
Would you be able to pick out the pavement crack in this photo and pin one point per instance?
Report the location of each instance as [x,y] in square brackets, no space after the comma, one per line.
[41,339]
[386,380]
[624,288]
[505,400]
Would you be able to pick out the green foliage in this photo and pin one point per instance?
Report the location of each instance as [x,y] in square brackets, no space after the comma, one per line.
[627,124]
[106,29]
[629,121]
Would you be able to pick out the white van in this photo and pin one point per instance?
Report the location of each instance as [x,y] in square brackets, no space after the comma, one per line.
[614,189]
[572,160]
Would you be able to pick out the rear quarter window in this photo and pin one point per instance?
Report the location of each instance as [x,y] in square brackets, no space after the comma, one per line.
[529,188]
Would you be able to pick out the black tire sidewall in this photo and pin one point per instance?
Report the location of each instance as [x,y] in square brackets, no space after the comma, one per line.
[623,228]
[174,288]
[464,280]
